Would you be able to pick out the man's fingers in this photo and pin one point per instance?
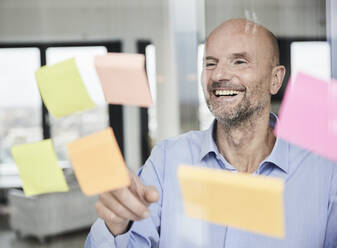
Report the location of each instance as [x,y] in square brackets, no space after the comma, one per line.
[151,194]
[131,202]
[117,207]
[107,215]
[146,194]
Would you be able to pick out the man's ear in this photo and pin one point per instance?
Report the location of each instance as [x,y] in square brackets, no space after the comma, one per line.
[278,74]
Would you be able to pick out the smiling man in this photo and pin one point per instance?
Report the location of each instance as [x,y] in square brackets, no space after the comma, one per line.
[241,72]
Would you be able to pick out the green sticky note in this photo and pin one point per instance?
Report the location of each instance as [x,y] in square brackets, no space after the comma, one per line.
[62,89]
[38,168]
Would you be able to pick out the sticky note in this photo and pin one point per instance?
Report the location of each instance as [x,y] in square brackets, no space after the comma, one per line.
[252,203]
[38,168]
[308,115]
[98,163]
[123,79]
[62,89]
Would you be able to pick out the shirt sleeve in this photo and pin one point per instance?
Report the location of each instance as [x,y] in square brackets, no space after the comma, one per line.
[101,237]
[331,231]
[144,233]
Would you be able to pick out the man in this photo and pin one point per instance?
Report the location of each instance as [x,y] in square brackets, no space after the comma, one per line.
[241,72]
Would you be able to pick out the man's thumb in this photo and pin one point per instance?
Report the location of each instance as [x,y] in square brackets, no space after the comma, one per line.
[151,194]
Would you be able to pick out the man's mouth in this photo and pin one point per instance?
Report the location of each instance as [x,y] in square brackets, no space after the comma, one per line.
[228,93]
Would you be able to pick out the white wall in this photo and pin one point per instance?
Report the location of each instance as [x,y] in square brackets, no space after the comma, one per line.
[296,18]
[79,19]
[131,19]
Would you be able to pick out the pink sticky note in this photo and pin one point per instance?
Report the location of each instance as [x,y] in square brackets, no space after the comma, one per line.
[123,79]
[308,115]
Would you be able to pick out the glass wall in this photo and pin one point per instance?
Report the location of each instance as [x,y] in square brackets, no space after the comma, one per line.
[176,31]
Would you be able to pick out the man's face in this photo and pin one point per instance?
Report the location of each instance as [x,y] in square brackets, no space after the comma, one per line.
[236,75]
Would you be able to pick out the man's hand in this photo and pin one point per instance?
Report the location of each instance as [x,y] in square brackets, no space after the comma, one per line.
[118,207]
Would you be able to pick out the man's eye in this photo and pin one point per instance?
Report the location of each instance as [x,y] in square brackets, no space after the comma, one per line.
[210,65]
[240,61]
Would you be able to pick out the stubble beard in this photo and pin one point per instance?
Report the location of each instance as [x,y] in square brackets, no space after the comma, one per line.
[238,115]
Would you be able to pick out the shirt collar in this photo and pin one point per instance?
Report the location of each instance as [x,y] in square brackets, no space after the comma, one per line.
[280,153]
[278,156]
[207,142]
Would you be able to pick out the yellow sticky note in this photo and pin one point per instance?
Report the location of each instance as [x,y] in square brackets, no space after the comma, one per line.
[98,163]
[38,168]
[62,89]
[250,202]
[123,79]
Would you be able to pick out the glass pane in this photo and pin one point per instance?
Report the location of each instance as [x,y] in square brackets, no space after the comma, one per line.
[20,102]
[67,129]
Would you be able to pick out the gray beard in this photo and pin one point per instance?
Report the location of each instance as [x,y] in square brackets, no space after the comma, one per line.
[245,113]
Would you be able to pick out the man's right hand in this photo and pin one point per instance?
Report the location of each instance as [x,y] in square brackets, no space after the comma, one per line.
[118,207]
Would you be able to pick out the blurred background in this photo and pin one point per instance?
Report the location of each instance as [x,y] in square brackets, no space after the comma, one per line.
[171,34]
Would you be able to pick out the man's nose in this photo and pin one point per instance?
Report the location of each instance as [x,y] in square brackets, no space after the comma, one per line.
[222,73]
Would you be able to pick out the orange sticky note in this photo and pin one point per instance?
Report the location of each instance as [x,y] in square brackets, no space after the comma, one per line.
[98,163]
[250,202]
[123,79]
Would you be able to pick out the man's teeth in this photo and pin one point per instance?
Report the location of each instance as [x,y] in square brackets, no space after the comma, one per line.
[226,92]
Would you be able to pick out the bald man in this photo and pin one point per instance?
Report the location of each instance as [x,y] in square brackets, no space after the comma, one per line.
[241,71]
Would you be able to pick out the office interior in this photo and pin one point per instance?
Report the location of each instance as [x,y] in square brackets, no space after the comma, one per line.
[171,35]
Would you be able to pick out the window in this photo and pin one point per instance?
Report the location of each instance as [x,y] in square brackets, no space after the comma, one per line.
[205,116]
[69,128]
[20,102]
[311,57]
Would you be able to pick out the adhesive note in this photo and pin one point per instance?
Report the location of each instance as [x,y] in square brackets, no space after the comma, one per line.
[123,79]
[252,203]
[98,163]
[308,115]
[62,89]
[38,168]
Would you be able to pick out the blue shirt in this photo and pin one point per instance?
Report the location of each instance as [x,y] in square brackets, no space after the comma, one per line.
[310,199]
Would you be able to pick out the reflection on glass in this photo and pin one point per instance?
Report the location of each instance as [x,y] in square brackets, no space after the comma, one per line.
[150,53]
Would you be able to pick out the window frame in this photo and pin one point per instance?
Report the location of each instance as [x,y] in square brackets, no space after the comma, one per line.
[115,112]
